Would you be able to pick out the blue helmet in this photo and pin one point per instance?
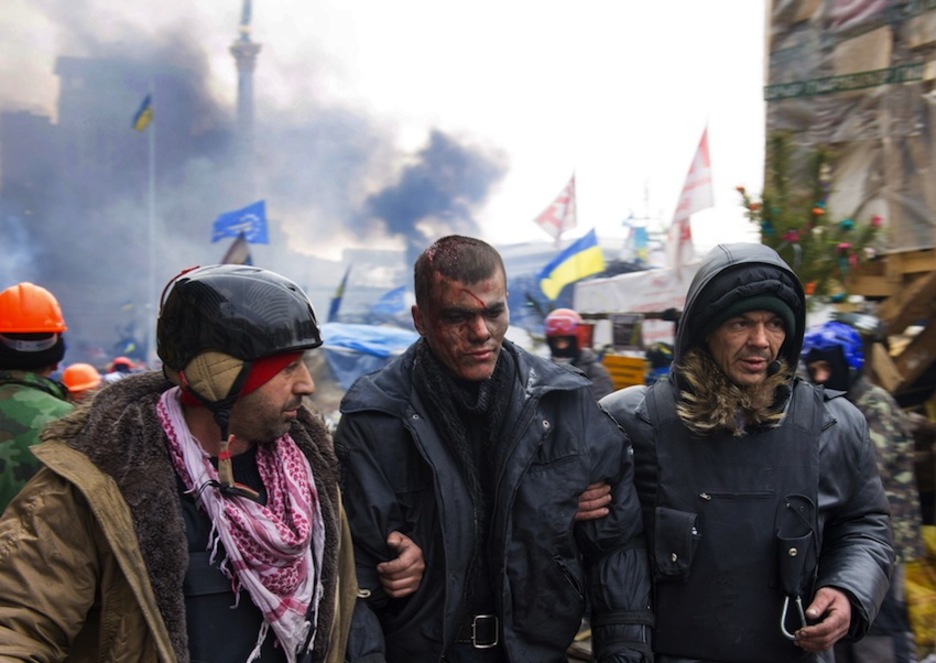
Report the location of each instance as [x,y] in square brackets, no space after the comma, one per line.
[830,335]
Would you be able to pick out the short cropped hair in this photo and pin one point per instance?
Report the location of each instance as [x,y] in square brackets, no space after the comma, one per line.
[462,259]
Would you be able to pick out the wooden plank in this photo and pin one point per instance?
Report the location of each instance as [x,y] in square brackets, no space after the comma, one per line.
[876,278]
[884,369]
[919,354]
[916,300]
[875,286]
[885,274]
[913,262]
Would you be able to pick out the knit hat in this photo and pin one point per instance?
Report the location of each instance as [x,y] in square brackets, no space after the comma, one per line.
[763,302]
[749,287]
[30,351]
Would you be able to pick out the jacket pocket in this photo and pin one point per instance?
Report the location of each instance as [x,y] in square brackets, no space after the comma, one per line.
[548,600]
[571,575]
[676,537]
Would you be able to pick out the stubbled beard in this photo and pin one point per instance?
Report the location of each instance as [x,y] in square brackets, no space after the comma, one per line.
[710,402]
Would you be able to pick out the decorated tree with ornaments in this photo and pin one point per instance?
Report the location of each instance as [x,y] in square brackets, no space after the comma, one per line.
[793,218]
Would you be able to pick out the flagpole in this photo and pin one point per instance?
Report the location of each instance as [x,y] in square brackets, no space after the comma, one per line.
[151,303]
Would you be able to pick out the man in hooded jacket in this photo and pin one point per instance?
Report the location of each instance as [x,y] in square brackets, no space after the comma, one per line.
[765,515]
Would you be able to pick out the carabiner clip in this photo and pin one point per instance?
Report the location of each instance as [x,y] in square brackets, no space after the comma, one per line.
[783,616]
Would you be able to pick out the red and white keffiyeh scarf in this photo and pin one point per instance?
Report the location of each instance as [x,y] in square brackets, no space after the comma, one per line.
[272,551]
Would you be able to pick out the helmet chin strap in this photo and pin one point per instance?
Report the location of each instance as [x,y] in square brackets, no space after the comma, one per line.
[225,471]
[221,412]
[226,483]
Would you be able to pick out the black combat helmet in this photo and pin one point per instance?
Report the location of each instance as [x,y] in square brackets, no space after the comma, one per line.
[243,311]
[215,323]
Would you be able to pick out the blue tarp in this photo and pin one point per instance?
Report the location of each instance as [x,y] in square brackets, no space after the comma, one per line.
[354,350]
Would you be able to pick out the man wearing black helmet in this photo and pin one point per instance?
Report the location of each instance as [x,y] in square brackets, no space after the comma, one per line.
[193,514]
[766,518]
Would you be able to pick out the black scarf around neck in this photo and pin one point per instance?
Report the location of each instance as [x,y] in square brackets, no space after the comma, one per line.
[468,418]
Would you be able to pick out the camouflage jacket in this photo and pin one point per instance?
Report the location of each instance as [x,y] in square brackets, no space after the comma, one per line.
[892,436]
[27,402]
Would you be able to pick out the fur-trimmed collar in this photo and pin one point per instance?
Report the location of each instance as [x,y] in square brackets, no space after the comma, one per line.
[710,402]
[120,433]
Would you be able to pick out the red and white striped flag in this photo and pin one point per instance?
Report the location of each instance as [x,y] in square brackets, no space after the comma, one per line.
[560,215]
[696,196]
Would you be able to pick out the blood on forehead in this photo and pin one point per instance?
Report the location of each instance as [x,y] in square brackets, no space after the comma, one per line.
[471,295]
[445,290]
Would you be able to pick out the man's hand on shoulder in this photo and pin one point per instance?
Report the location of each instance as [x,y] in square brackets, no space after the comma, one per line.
[401,577]
[593,503]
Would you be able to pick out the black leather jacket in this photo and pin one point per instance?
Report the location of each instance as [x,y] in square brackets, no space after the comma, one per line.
[556,441]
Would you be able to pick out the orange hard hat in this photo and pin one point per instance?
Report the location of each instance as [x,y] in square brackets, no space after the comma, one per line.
[81,377]
[122,361]
[26,308]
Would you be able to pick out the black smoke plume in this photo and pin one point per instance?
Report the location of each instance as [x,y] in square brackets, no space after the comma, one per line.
[76,212]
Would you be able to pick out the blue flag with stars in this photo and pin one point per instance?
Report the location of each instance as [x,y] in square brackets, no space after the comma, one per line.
[251,221]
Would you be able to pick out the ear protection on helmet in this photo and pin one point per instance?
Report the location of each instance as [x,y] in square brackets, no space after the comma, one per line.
[216,321]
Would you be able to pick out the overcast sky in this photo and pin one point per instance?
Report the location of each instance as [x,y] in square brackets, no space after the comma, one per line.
[617,91]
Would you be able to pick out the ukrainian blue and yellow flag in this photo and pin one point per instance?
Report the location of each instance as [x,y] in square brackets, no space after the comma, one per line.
[580,259]
[339,295]
[144,115]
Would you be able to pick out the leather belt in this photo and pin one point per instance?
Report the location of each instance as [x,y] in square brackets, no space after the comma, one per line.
[482,631]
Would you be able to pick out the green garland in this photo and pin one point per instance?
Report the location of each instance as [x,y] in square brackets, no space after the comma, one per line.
[794,220]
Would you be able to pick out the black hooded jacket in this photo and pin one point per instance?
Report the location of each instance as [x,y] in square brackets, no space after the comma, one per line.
[714,558]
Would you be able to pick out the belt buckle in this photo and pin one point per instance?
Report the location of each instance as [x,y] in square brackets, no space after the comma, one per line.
[474,631]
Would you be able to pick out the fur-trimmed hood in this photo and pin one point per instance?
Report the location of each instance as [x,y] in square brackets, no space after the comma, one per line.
[120,433]
[729,275]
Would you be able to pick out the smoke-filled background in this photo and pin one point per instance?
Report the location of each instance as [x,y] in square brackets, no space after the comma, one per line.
[377,125]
